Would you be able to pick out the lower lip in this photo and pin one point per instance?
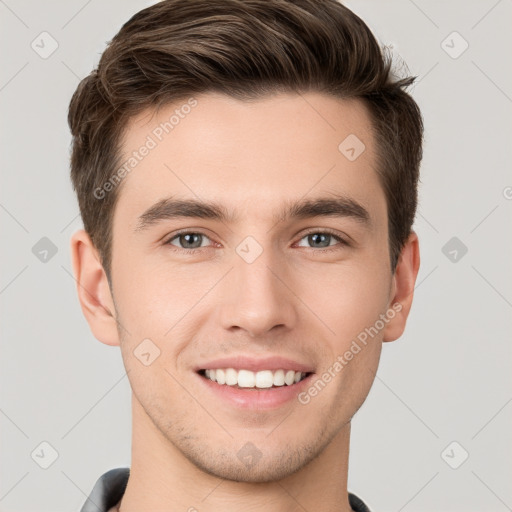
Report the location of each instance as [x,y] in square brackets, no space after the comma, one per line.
[254,398]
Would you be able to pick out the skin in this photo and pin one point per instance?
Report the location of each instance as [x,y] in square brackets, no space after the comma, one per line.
[294,300]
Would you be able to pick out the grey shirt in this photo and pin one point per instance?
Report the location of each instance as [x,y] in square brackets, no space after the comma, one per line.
[109,489]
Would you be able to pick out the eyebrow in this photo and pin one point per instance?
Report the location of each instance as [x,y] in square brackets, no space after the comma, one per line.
[171,208]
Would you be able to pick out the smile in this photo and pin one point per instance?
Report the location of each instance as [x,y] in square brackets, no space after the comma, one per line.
[248,379]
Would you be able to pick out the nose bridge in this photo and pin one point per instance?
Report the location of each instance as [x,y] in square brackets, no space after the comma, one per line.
[256,299]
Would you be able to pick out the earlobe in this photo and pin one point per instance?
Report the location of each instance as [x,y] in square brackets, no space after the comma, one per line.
[404,280]
[93,289]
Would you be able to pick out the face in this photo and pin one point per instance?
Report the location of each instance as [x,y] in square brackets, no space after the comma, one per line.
[251,283]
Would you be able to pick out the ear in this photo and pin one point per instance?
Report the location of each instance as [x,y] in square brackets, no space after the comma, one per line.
[402,290]
[93,289]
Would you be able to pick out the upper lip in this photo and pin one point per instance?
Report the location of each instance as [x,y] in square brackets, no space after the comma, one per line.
[250,363]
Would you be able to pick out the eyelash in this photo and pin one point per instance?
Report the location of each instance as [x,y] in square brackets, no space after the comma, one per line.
[342,241]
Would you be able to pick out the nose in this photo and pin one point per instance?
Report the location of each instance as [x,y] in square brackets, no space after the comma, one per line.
[258,296]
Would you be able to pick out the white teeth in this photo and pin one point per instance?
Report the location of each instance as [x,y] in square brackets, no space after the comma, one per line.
[248,379]
[220,376]
[264,379]
[279,378]
[231,377]
[289,377]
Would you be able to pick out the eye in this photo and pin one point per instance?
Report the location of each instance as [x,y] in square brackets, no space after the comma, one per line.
[322,239]
[189,240]
[192,241]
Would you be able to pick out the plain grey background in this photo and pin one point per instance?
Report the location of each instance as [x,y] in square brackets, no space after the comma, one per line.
[434,433]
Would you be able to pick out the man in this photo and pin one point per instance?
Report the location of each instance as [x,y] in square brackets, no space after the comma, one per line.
[247,175]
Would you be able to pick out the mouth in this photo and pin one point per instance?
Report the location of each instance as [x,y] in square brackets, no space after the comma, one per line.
[254,380]
[254,384]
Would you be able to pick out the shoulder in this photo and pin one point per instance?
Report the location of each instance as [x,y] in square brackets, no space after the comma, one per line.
[357,504]
[107,491]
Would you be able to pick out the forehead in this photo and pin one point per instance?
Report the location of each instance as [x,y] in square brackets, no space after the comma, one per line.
[249,155]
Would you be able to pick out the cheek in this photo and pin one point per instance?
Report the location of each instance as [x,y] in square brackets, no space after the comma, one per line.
[155,296]
[346,298]
[157,387]
[165,305]
[156,300]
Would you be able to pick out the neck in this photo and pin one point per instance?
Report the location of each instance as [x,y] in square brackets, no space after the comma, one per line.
[162,478]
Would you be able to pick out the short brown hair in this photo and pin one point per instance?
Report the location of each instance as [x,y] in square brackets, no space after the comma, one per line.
[245,49]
